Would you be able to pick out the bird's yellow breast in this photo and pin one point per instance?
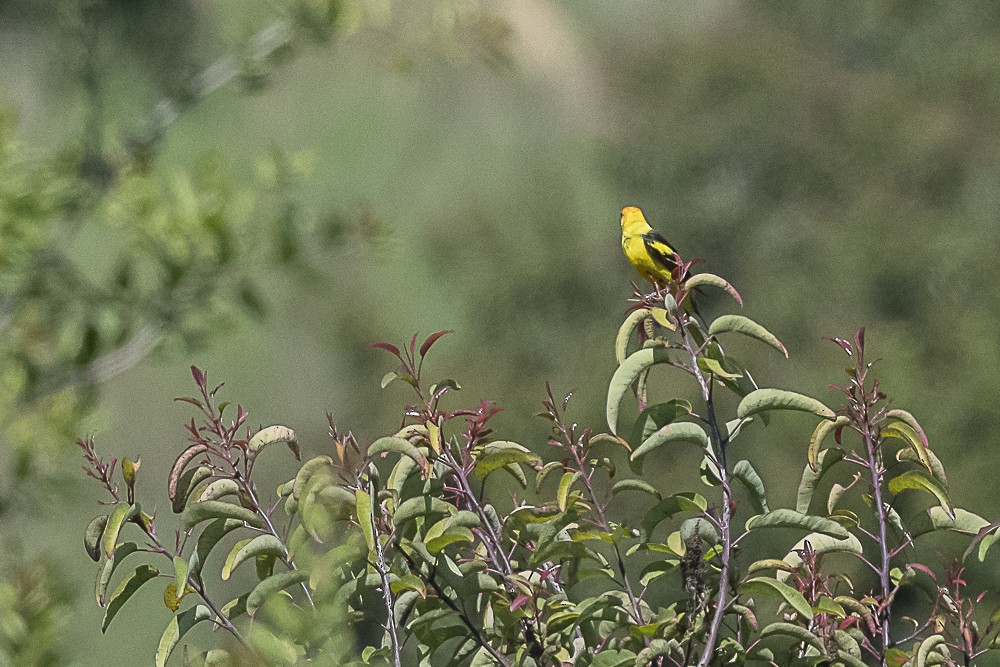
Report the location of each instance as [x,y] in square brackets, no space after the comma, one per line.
[635,250]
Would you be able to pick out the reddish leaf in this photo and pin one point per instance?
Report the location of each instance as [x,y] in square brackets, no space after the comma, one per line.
[182,461]
[519,602]
[413,345]
[199,376]
[844,345]
[433,339]
[187,399]
[388,347]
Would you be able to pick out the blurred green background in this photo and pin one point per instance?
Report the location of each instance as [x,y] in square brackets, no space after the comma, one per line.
[460,164]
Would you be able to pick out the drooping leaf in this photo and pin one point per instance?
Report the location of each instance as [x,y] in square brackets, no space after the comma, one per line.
[109,567]
[747,327]
[262,545]
[501,454]
[366,518]
[186,484]
[180,464]
[811,478]
[786,518]
[314,466]
[207,540]
[712,280]
[119,515]
[909,435]
[634,485]
[769,586]
[125,590]
[424,506]
[544,472]
[565,486]
[92,536]
[656,417]
[271,435]
[936,518]
[745,473]
[399,446]
[625,332]
[181,569]
[217,509]
[928,645]
[271,585]
[671,433]
[823,429]
[177,628]
[763,400]
[219,488]
[917,480]
[668,507]
[625,375]
[820,544]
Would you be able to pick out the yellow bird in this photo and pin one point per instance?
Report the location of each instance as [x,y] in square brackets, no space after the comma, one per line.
[650,253]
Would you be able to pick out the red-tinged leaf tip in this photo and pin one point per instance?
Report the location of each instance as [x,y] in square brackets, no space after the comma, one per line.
[388,347]
[413,345]
[433,339]
[199,376]
[519,602]
[187,399]
[859,340]
[844,345]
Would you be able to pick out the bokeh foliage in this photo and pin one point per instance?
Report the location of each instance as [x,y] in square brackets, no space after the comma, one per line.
[839,155]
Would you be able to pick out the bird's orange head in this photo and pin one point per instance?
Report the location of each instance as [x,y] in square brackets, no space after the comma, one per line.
[632,218]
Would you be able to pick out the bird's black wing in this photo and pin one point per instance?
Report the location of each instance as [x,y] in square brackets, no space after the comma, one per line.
[659,249]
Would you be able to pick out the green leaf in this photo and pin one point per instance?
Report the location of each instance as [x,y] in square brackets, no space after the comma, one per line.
[747,327]
[314,466]
[271,585]
[109,567]
[92,536]
[634,485]
[823,429]
[181,570]
[544,472]
[186,484]
[796,632]
[217,509]
[177,628]
[811,478]
[668,507]
[928,645]
[262,545]
[745,473]
[366,517]
[125,590]
[917,480]
[627,373]
[656,417]
[220,488]
[909,435]
[613,658]
[399,446]
[712,280]
[625,332]
[675,432]
[179,465]
[565,486]
[936,518]
[209,537]
[453,535]
[763,400]
[424,506]
[501,454]
[717,368]
[821,544]
[769,586]
[119,515]
[785,518]
[271,435]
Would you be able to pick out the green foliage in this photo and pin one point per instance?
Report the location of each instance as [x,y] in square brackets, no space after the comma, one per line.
[403,536]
